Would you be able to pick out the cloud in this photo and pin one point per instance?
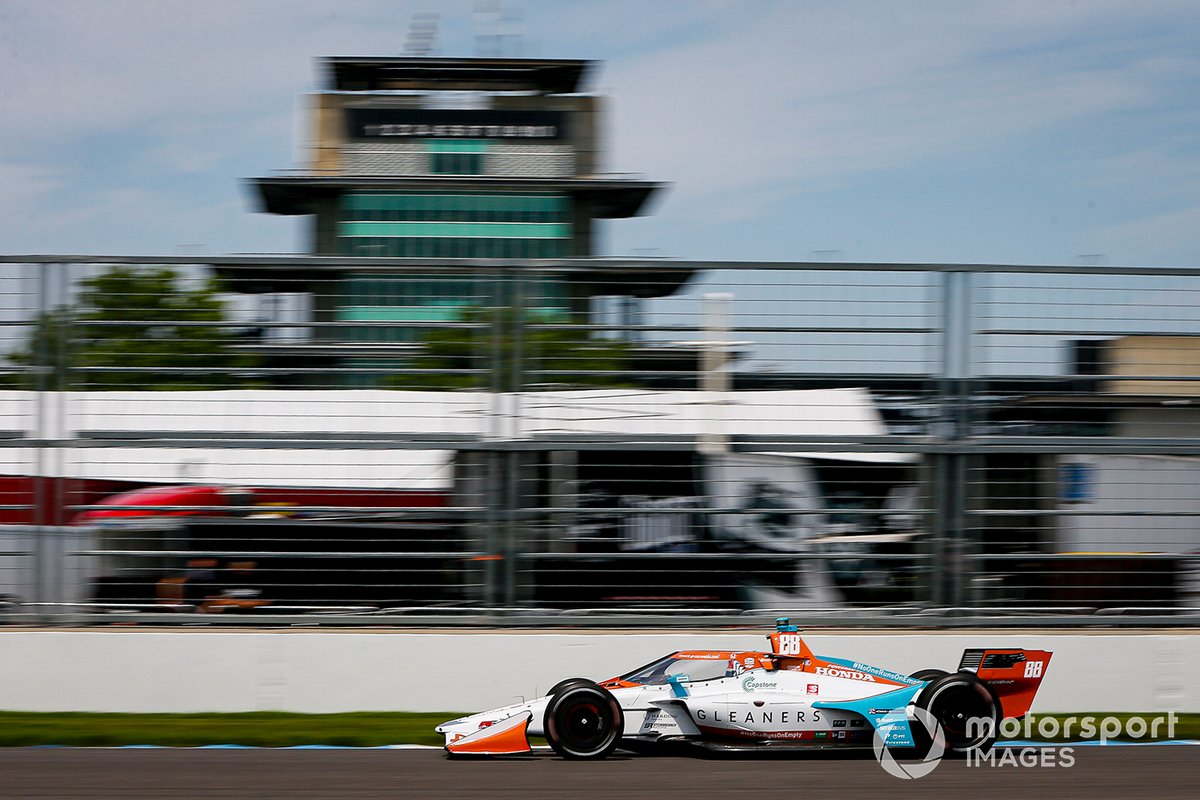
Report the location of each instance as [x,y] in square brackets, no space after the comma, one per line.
[81,68]
[24,188]
[1169,237]
[799,98]
[754,112]
[155,111]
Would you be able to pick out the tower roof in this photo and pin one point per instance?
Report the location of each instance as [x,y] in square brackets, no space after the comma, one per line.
[358,74]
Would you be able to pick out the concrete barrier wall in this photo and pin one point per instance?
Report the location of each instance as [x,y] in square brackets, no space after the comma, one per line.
[321,672]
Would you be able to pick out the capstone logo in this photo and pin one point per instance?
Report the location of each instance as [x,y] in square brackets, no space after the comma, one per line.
[749,684]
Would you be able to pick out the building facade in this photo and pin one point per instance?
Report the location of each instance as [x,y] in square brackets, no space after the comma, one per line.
[434,161]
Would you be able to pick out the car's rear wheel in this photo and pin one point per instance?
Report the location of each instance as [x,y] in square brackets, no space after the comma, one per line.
[583,721]
[929,674]
[965,710]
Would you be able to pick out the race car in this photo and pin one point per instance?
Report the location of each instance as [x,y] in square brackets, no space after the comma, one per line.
[785,698]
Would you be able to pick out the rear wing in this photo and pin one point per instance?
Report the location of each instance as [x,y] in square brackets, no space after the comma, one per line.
[1012,673]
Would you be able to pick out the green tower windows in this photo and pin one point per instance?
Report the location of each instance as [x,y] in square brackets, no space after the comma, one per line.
[416,299]
[457,157]
[466,225]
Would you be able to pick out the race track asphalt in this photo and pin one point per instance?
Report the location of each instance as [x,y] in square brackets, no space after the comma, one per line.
[1098,772]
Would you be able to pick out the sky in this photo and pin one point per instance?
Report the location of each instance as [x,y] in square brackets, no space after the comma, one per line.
[1022,131]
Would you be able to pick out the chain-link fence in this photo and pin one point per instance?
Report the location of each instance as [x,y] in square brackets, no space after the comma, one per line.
[402,441]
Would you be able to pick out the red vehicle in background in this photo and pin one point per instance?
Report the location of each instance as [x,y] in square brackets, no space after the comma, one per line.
[222,549]
[207,501]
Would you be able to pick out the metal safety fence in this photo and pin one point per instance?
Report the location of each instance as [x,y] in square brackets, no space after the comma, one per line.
[326,440]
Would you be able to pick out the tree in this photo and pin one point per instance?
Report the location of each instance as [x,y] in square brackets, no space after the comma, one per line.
[493,353]
[135,329]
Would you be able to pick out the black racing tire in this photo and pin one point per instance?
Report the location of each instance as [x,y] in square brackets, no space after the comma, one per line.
[965,709]
[929,674]
[583,721]
[564,684]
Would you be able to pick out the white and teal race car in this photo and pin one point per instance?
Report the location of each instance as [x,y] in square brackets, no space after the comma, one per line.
[787,697]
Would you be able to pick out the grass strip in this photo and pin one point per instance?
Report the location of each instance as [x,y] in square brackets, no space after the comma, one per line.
[372,729]
[257,729]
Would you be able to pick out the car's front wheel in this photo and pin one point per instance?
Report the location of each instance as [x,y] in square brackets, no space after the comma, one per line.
[568,683]
[583,720]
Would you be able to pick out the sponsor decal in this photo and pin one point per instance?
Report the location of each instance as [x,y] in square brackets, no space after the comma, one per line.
[751,684]
[883,673]
[814,688]
[694,656]
[880,710]
[858,723]
[839,723]
[842,672]
[909,770]
[765,716]
[758,734]
[660,725]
